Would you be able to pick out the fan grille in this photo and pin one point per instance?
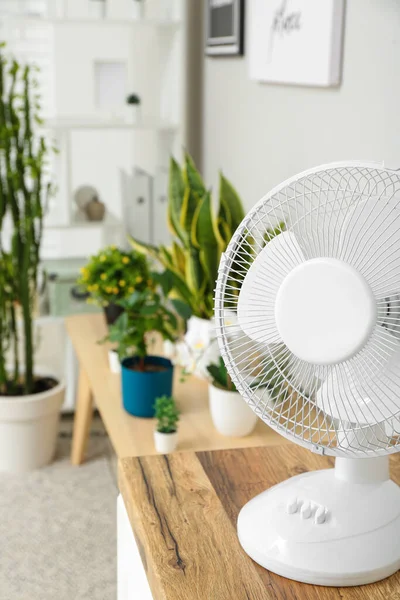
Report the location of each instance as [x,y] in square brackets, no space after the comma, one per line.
[350,212]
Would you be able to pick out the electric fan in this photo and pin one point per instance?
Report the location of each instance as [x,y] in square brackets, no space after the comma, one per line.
[312,276]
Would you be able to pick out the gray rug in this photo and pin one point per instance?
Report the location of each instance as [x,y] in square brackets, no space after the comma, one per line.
[58,528]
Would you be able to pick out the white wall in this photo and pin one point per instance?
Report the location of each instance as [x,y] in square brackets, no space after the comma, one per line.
[260,134]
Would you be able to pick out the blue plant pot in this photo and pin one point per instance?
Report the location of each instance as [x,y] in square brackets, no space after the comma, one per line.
[141,388]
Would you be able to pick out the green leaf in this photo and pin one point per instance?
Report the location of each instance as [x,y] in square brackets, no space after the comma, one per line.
[206,234]
[231,209]
[176,192]
[182,308]
[145,248]
[193,178]
[190,203]
[194,272]
[149,309]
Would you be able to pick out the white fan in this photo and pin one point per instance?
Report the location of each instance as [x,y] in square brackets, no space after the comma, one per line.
[313,275]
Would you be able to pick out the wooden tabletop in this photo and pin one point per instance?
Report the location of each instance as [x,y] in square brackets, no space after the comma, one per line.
[132,436]
[183,510]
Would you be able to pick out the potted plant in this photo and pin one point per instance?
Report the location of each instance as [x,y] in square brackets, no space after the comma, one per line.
[133,108]
[199,239]
[166,432]
[113,275]
[229,412]
[30,396]
[144,377]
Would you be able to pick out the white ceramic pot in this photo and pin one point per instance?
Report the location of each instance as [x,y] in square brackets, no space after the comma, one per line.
[28,429]
[97,9]
[114,362]
[132,114]
[165,442]
[230,413]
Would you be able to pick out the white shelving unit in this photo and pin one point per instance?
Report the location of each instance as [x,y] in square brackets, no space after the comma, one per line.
[88,67]
[127,163]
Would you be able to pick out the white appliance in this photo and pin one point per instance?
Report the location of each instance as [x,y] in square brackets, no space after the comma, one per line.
[313,273]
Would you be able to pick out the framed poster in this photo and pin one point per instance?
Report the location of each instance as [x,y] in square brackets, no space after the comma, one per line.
[295,41]
[224,27]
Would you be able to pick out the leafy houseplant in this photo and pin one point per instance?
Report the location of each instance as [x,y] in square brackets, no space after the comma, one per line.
[167,415]
[24,194]
[220,376]
[133,108]
[230,414]
[113,275]
[198,236]
[144,377]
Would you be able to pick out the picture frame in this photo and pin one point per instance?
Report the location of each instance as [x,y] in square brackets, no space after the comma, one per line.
[224,28]
[296,42]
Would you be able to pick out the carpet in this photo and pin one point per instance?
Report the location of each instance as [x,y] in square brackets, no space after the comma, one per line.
[58,528]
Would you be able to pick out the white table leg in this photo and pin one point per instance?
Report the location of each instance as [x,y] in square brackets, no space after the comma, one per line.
[132,580]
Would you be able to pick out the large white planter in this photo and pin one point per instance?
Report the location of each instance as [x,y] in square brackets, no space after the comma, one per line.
[165,442]
[230,413]
[28,429]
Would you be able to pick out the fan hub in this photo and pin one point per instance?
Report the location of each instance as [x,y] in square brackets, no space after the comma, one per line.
[325,311]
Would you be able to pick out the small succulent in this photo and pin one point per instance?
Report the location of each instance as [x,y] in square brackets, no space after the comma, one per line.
[167,414]
[133,99]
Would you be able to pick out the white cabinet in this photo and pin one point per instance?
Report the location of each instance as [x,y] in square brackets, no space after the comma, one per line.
[132,580]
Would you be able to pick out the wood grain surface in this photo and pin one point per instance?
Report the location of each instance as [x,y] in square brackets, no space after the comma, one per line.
[183,510]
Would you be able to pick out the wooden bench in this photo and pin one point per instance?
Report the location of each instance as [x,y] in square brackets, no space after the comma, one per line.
[129,435]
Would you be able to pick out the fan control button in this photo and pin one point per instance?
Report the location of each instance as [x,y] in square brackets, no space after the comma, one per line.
[306,510]
[320,515]
[292,506]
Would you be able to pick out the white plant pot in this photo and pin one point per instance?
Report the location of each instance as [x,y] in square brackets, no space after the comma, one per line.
[28,429]
[114,362]
[230,413]
[132,114]
[97,9]
[165,442]
[137,9]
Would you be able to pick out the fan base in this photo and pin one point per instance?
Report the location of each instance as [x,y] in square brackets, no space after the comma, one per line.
[355,542]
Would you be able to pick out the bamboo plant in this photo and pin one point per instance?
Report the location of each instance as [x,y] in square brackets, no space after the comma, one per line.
[199,236]
[24,195]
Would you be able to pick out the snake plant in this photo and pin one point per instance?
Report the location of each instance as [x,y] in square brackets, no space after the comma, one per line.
[199,236]
[24,195]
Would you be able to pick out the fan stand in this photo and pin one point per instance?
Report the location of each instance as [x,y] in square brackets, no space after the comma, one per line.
[337,527]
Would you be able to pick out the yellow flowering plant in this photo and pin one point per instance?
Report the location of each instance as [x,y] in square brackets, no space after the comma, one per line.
[114,274]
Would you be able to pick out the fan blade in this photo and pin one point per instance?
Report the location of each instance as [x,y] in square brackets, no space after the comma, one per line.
[347,396]
[256,304]
[370,241]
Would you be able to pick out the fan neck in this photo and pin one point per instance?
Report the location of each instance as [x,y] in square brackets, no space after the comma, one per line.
[362,470]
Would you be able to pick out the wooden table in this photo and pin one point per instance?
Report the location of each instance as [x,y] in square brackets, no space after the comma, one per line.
[129,435]
[183,510]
